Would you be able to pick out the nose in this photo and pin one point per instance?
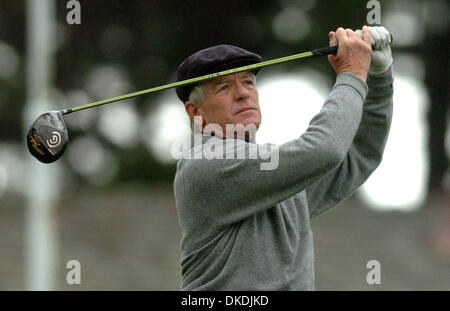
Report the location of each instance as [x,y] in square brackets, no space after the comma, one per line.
[241,91]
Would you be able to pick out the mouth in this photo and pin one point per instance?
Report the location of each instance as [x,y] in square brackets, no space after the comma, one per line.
[245,109]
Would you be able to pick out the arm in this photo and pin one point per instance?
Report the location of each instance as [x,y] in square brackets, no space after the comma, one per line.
[365,153]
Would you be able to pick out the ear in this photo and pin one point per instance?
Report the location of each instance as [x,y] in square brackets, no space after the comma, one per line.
[193,110]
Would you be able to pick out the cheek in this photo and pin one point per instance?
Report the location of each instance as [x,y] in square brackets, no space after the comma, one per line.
[219,112]
[255,98]
[259,108]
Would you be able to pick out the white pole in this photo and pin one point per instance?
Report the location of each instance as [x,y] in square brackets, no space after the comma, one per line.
[43,180]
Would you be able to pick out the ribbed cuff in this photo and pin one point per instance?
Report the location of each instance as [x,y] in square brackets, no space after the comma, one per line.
[380,79]
[380,85]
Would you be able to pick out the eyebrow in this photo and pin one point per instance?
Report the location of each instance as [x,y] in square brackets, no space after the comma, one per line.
[225,78]
[247,74]
[220,80]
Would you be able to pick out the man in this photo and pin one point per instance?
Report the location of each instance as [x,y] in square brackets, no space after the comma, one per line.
[245,228]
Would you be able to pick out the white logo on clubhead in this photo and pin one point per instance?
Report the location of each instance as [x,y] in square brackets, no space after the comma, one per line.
[55,140]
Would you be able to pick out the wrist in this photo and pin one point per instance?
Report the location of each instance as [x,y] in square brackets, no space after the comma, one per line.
[359,74]
[351,79]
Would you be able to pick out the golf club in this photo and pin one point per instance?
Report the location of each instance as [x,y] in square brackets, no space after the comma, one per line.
[47,137]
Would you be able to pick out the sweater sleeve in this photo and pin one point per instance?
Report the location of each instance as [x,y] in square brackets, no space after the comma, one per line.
[225,191]
[366,150]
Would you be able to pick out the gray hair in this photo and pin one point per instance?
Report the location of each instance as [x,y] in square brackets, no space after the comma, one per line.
[197,96]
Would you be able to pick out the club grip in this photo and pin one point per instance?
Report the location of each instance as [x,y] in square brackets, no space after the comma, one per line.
[325,51]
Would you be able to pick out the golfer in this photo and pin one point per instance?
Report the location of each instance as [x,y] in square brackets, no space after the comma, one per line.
[247,228]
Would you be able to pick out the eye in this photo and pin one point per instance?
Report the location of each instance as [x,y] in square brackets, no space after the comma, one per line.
[222,87]
[249,82]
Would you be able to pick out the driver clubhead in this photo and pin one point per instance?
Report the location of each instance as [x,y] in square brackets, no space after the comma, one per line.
[47,137]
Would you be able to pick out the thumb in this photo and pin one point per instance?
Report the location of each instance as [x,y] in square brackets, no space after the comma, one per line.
[332,37]
[367,35]
[333,41]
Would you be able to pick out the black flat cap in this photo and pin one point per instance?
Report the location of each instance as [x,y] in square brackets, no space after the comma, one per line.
[213,59]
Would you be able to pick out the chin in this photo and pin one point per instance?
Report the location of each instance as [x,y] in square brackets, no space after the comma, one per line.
[249,122]
[254,119]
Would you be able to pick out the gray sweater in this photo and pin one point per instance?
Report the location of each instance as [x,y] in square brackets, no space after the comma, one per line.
[249,229]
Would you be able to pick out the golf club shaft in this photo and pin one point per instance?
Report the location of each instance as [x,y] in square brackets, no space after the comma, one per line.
[313,53]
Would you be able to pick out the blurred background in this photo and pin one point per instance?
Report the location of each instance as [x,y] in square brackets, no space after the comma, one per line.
[108,202]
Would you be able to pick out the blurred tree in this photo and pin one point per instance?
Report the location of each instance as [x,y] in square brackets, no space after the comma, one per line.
[435,53]
[158,35]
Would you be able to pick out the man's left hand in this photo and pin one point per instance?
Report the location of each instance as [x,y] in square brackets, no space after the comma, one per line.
[381,49]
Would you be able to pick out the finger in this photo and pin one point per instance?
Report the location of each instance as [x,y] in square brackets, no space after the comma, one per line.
[372,39]
[382,41]
[332,37]
[360,32]
[367,37]
[340,34]
[386,34]
[377,37]
[333,41]
[349,32]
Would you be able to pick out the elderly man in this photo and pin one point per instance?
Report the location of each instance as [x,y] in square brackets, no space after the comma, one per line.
[245,228]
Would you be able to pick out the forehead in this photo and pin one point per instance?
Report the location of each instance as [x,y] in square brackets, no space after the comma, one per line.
[241,75]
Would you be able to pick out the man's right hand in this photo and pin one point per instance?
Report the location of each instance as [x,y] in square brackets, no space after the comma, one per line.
[354,52]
